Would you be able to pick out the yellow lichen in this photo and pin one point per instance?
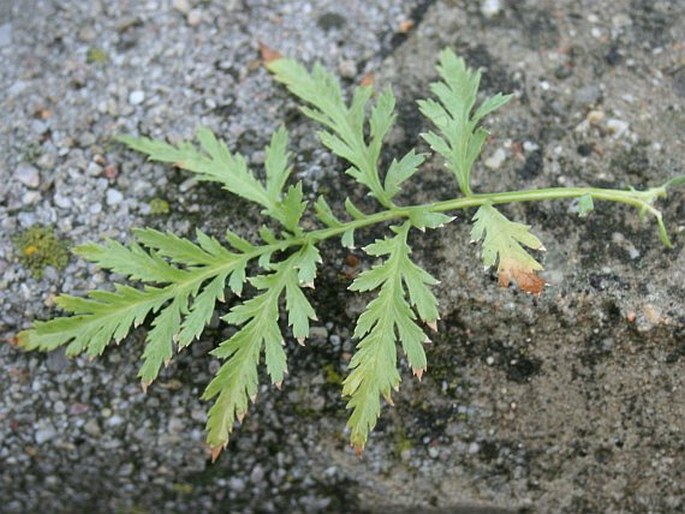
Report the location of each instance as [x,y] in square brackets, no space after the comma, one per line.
[38,247]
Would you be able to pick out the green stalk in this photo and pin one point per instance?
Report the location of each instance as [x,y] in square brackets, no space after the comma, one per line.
[642,200]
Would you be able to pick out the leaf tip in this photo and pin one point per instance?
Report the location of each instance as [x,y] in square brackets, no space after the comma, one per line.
[216,451]
[268,54]
[525,279]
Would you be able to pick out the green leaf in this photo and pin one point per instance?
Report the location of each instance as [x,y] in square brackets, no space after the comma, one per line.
[382,119]
[238,242]
[387,319]
[293,207]
[585,205]
[102,317]
[503,243]
[353,211]
[344,134]
[236,382]
[159,343]
[459,139]
[491,104]
[423,218]
[234,385]
[180,309]
[203,308]
[132,261]
[268,235]
[182,251]
[276,164]
[306,263]
[400,171]
[325,214]
[213,162]
[347,239]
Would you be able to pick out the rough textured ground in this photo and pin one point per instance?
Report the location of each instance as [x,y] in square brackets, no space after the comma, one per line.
[568,402]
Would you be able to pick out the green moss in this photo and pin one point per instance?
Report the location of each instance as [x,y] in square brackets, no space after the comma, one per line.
[38,247]
[332,375]
[96,56]
[159,206]
[182,488]
[402,442]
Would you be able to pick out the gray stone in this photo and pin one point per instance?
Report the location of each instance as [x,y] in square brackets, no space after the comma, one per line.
[5,34]
[590,94]
[113,197]
[92,428]
[63,202]
[136,97]
[45,432]
[27,175]
[56,360]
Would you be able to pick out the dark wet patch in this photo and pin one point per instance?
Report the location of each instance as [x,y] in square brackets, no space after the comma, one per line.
[331,21]
[538,27]
[651,22]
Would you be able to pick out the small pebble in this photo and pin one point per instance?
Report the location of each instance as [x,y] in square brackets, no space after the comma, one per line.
[194,17]
[63,202]
[176,425]
[5,34]
[182,6]
[594,117]
[30,197]
[589,94]
[114,421]
[136,97]
[87,34]
[45,432]
[529,146]
[47,160]
[57,360]
[318,333]
[27,175]
[113,197]
[617,127]
[347,69]
[92,428]
[496,159]
[490,8]
[94,169]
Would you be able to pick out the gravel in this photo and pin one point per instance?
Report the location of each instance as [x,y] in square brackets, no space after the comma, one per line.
[549,404]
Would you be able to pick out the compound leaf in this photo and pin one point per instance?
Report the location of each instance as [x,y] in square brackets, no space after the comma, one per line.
[503,243]
[236,382]
[345,125]
[459,139]
[387,320]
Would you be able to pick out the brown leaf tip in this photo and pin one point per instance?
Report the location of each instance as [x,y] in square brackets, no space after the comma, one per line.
[268,54]
[216,451]
[526,280]
[368,80]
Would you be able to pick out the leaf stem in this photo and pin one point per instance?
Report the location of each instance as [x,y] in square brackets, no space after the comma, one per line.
[640,199]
